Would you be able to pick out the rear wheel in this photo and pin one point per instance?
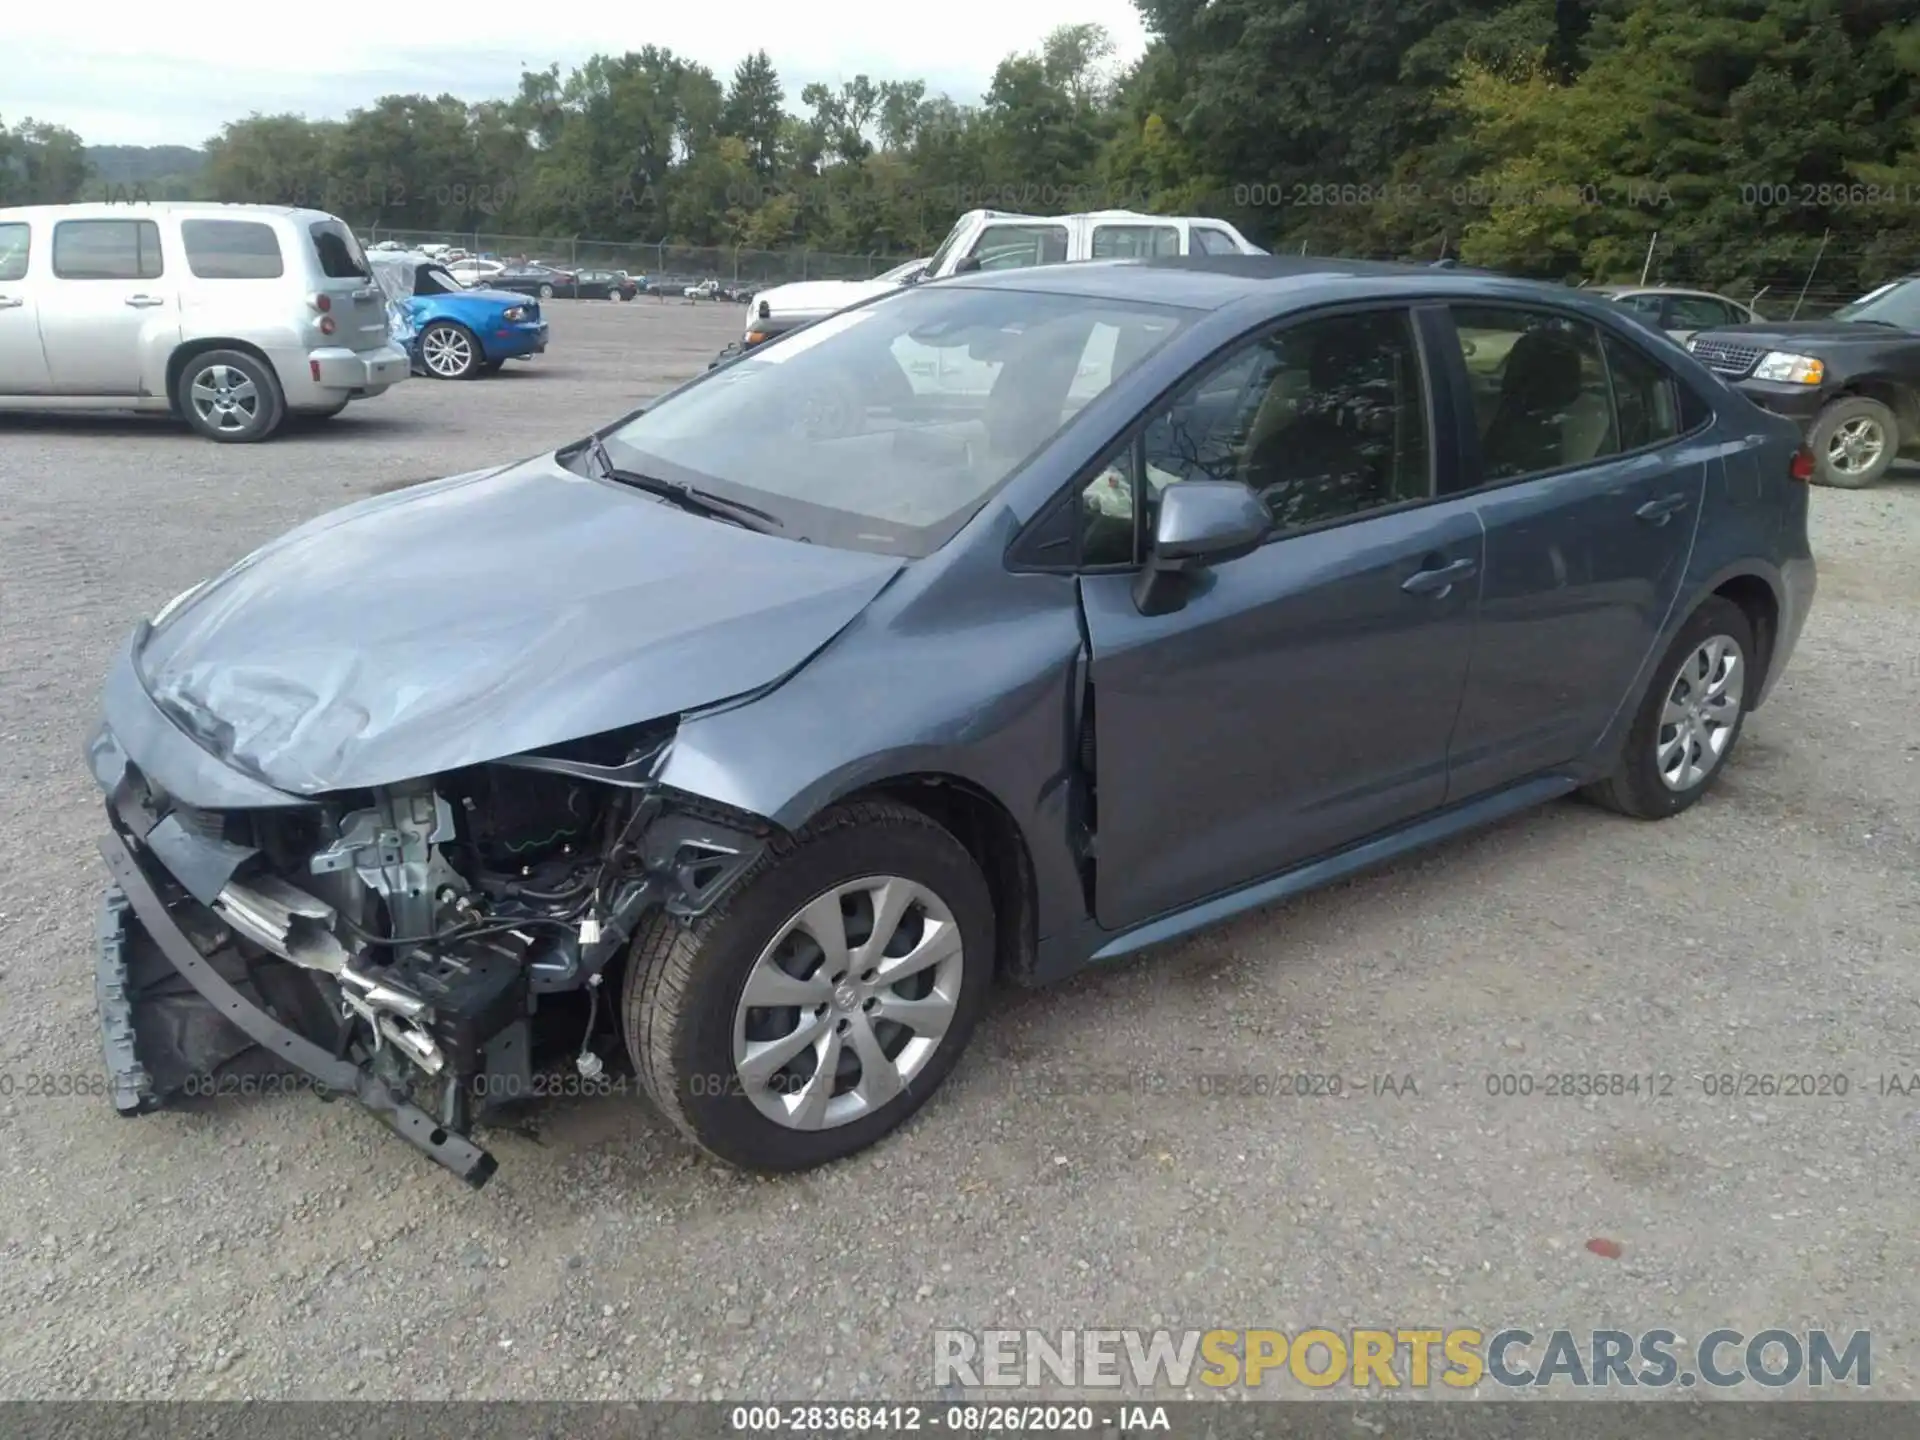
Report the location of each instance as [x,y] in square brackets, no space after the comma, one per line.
[449,351]
[1690,719]
[1854,442]
[229,396]
[546,292]
[825,998]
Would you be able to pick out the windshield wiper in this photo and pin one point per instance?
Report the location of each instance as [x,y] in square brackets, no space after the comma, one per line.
[688,497]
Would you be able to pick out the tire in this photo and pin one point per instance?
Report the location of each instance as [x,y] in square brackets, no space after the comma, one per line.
[546,292]
[683,1002]
[491,367]
[1874,433]
[231,397]
[625,296]
[450,352]
[1638,787]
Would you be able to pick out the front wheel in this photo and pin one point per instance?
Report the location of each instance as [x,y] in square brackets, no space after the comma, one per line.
[449,351]
[1690,719]
[826,997]
[546,292]
[1854,442]
[229,396]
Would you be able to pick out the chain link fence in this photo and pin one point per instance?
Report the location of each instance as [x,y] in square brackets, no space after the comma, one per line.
[659,261]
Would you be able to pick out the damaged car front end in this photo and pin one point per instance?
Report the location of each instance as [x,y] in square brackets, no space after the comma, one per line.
[348,862]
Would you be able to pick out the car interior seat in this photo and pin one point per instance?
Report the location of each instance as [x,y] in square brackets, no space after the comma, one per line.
[1548,417]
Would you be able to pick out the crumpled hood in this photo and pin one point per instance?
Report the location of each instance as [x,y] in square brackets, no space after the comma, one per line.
[480,292]
[818,297]
[486,615]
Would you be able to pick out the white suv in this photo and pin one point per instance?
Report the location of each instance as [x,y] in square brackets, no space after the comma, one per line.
[232,316]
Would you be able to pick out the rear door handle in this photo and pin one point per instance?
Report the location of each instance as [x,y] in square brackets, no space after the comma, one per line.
[1658,512]
[11,302]
[1438,580]
[144,302]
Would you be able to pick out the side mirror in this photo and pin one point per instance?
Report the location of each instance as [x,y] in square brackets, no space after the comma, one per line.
[967,265]
[1201,523]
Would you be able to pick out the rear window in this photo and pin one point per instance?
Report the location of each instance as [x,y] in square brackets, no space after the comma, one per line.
[339,253]
[106,250]
[15,241]
[1209,241]
[232,250]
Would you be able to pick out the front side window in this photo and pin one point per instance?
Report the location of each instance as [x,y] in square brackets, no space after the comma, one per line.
[16,239]
[1539,390]
[1014,247]
[106,250]
[1325,421]
[1698,312]
[436,280]
[1134,242]
[1645,396]
[886,427]
[232,250]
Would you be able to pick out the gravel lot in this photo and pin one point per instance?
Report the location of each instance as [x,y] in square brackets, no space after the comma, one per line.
[286,1248]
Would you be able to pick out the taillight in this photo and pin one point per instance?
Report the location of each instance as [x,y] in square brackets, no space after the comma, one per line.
[1801,468]
[323,303]
[327,326]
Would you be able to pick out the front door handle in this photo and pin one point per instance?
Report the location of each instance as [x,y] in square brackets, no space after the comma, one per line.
[1658,512]
[1438,580]
[144,302]
[11,302]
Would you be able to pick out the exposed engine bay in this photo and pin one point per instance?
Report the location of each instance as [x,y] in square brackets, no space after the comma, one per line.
[424,947]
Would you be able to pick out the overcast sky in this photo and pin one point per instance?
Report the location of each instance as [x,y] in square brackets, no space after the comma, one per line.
[122,73]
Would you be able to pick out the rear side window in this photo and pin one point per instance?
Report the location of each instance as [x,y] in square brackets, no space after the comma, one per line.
[1134,242]
[232,250]
[338,252]
[1208,241]
[1540,390]
[15,242]
[1699,312]
[1645,397]
[106,250]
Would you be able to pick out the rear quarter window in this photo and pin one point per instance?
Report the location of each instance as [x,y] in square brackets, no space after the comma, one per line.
[107,250]
[16,243]
[338,252]
[232,250]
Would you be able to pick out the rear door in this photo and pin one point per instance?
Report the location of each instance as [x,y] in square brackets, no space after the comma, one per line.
[1302,697]
[23,363]
[1589,496]
[341,273]
[111,300]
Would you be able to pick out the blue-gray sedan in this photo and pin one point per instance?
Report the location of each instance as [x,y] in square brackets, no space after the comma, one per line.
[996,627]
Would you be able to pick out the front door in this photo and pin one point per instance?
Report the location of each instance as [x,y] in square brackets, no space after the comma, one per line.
[1303,696]
[23,364]
[101,309]
[1589,496]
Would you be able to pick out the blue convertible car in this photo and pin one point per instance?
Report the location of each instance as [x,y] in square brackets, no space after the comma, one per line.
[454,333]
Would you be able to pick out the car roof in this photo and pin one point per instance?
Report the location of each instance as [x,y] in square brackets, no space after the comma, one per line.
[1615,291]
[121,210]
[1212,282]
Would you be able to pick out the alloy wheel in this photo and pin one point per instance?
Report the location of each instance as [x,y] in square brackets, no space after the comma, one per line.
[1856,446]
[226,399]
[1702,709]
[447,352]
[848,1002]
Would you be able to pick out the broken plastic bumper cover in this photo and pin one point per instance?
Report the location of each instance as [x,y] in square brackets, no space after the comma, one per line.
[134,900]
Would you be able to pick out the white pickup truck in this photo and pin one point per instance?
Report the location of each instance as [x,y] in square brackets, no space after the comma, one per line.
[995,240]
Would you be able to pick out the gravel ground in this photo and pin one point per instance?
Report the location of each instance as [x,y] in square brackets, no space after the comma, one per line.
[286,1248]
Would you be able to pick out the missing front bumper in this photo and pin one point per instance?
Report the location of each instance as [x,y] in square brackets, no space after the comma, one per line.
[158,1035]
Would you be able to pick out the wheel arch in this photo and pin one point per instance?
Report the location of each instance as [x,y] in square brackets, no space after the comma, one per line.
[1897,395]
[1759,601]
[986,827]
[188,351]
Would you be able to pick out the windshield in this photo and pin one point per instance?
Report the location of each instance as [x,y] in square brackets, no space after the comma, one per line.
[900,272]
[1895,304]
[953,238]
[886,427]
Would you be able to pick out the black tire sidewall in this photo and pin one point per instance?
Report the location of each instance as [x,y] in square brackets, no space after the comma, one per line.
[1639,773]
[721,1114]
[476,358]
[264,380]
[1847,408]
